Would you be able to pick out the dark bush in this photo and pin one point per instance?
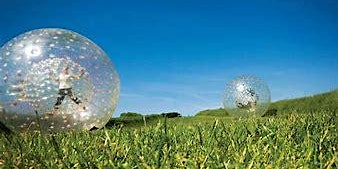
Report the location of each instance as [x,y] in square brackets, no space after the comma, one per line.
[270,112]
[171,115]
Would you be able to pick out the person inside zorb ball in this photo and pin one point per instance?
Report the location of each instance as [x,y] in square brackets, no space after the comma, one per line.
[65,87]
[247,100]
[56,80]
[246,96]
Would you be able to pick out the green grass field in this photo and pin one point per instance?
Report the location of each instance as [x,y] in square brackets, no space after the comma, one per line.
[303,134]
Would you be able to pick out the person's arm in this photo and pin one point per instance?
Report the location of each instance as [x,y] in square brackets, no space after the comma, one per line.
[52,76]
[82,72]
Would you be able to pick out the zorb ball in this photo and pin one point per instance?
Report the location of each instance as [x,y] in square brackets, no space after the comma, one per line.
[246,96]
[55,80]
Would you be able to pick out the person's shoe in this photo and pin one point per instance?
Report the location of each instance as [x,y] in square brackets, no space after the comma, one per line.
[82,106]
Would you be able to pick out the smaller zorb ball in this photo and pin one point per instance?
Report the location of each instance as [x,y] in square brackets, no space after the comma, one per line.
[246,96]
[55,80]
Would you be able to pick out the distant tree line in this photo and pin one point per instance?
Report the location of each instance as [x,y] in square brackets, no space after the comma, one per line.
[137,115]
[171,115]
[132,118]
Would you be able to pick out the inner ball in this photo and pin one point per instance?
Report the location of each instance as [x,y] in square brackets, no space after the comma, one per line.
[246,96]
[56,80]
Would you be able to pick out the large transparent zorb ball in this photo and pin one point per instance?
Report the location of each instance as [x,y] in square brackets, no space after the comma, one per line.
[55,80]
[246,96]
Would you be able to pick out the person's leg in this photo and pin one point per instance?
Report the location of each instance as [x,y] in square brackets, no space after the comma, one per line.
[239,105]
[60,98]
[73,97]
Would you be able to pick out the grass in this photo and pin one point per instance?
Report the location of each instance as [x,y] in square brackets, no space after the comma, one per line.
[214,113]
[298,139]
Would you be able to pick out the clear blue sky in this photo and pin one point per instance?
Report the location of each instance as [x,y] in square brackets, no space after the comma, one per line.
[178,55]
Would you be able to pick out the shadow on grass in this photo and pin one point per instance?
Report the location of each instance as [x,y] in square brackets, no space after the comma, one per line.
[4,129]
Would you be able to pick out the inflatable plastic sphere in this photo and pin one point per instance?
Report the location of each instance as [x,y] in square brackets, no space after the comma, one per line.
[56,80]
[246,96]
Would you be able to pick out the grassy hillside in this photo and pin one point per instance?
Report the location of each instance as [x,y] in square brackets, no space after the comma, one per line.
[326,101]
[213,112]
[304,136]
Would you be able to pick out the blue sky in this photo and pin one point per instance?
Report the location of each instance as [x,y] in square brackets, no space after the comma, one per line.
[178,55]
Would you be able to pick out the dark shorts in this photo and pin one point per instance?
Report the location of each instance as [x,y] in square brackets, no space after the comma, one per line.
[66,92]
